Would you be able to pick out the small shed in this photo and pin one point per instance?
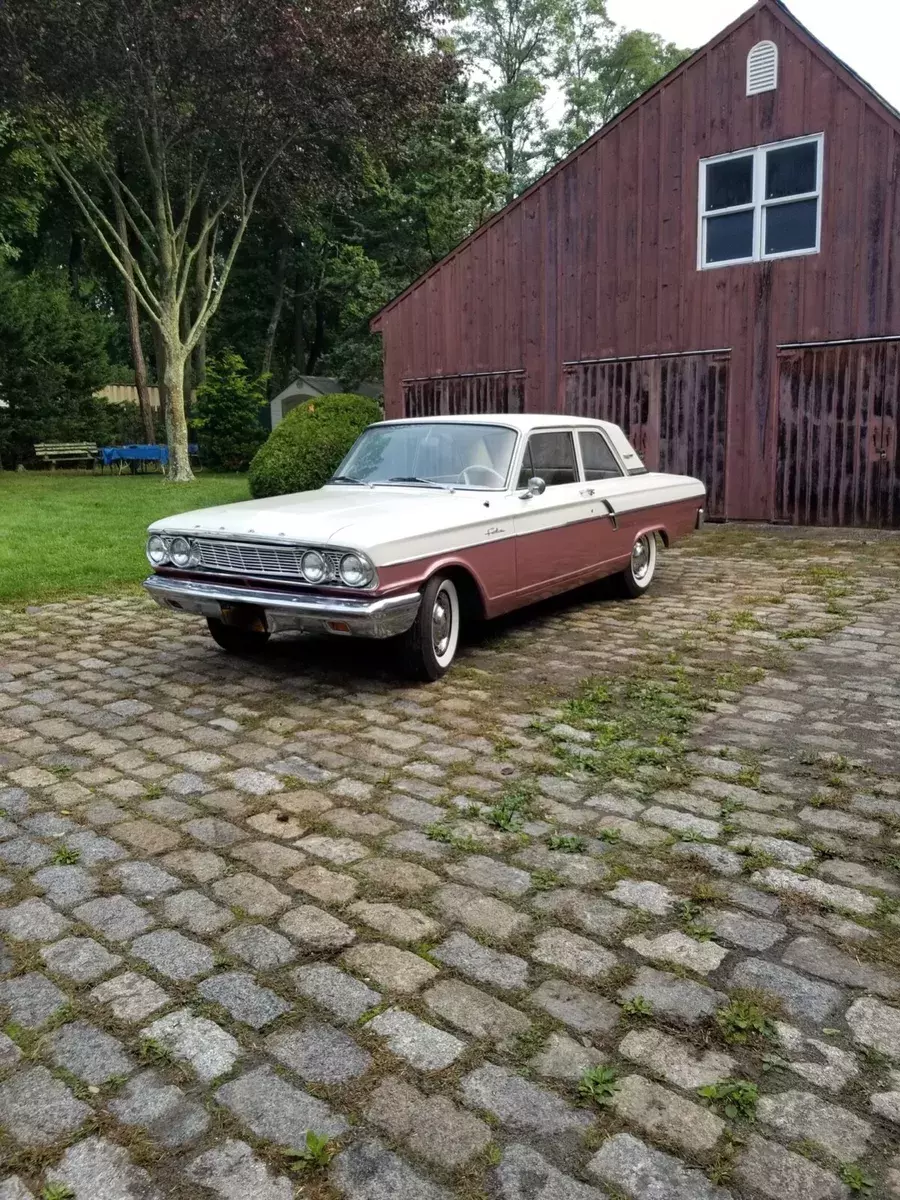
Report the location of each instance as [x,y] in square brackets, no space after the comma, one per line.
[308,387]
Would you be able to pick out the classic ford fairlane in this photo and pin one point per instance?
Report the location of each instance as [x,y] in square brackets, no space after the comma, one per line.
[426,525]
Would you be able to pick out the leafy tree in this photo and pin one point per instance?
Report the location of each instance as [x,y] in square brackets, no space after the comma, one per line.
[227,413]
[24,183]
[511,45]
[52,361]
[602,71]
[182,112]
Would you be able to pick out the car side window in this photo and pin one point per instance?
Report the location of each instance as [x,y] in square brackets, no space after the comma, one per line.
[599,460]
[551,457]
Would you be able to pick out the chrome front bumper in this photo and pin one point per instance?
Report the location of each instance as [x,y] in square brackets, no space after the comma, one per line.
[313,613]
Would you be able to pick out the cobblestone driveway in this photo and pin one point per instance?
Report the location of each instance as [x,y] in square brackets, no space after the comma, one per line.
[507,936]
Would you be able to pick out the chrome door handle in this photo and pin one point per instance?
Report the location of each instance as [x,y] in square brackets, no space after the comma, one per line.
[586,492]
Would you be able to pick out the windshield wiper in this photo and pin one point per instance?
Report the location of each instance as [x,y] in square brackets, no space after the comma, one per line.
[445,487]
[349,479]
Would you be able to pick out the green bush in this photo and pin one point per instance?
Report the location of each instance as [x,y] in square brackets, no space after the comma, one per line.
[307,447]
[227,413]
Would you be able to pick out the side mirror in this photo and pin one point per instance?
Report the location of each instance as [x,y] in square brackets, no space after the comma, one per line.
[536,487]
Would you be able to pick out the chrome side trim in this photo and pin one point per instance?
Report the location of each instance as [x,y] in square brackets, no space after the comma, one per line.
[384,617]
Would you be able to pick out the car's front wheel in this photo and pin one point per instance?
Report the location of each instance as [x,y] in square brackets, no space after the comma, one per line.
[429,646]
[236,640]
[638,575]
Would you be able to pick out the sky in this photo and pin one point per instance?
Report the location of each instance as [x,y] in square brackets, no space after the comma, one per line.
[864,33]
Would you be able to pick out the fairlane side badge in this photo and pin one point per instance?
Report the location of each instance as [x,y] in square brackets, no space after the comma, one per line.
[494,530]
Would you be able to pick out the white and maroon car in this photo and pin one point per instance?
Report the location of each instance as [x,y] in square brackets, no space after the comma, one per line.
[427,524]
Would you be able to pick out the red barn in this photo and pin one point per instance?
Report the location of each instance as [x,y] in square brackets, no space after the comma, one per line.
[717,270]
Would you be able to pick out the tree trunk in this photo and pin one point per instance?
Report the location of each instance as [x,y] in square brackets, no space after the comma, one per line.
[186,319]
[281,266]
[176,421]
[159,355]
[132,318]
[201,267]
[299,330]
[315,350]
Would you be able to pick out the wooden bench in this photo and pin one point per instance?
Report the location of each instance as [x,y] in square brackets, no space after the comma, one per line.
[54,452]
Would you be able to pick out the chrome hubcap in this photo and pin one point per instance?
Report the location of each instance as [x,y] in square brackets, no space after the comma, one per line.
[441,624]
[640,558]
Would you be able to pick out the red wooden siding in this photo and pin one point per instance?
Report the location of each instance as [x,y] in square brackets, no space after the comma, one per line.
[599,259]
[455,395]
[838,416]
[674,410]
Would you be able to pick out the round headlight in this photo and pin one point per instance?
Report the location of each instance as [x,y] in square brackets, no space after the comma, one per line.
[181,551]
[157,550]
[355,572]
[313,566]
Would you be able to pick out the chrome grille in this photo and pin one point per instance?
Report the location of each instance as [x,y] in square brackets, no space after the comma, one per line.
[248,558]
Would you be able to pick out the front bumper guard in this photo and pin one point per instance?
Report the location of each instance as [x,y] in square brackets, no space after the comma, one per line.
[384,617]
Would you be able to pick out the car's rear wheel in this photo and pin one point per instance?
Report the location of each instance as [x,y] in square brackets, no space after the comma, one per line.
[429,646]
[638,575]
[236,640]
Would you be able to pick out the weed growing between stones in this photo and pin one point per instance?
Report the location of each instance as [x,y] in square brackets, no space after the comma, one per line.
[735,1097]
[638,1006]
[856,1179]
[317,1153]
[57,1191]
[66,856]
[568,843]
[744,1020]
[599,1085]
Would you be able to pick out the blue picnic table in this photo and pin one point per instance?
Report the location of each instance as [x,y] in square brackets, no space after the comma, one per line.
[137,456]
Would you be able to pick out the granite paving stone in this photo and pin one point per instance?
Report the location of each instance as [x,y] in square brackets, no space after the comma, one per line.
[388,967]
[32,921]
[418,1043]
[523,1174]
[233,1172]
[519,1104]
[80,959]
[259,947]
[803,1116]
[681,1000]
[367,1170]
[88,1052]
[130,997]
[115,918]
[99,1169]
[346,998]
[196,913]
[774,1172]
[507,972]
[37,1109]
[174,955]
[581,1010]
[432,1127]
[319,1053]
[475,1012]
[207,1048]
[274,1109]
[161,1109]
[31,999]
[640,1172]
[243,998]
[802,998]
[316,930]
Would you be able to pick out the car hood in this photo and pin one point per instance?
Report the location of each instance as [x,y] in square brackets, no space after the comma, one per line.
[357,517]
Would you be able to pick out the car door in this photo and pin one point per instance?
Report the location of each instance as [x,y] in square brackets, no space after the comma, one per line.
[606,541]
[549,548]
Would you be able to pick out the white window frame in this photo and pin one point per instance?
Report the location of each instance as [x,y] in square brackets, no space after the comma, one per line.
[759,203]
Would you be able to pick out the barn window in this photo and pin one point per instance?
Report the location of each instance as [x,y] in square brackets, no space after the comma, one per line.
[761,203]
[762,68]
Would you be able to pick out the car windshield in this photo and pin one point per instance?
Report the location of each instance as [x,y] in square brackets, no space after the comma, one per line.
[431,454]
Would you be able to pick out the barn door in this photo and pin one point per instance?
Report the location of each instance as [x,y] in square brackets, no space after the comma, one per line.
[673,409]
[838,459]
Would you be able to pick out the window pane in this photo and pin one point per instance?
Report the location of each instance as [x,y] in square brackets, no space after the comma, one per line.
[729,183]
[729,237]
[551,457]
[791,171]
[599,461]
[791,226]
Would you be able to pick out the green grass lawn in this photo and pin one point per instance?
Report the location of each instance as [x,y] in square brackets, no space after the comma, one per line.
[72,533]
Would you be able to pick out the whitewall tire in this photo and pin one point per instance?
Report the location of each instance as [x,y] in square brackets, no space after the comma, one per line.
[429,647]
[638,575]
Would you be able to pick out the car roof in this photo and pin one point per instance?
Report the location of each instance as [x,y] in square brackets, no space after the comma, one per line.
[521,421]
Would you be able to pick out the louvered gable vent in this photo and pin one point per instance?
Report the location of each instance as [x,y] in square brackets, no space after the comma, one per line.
[762,68]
